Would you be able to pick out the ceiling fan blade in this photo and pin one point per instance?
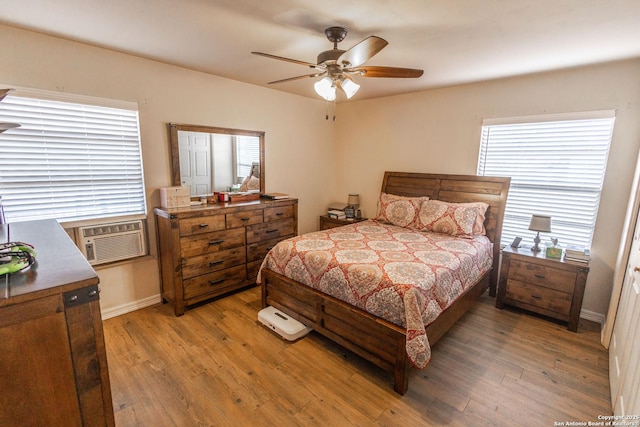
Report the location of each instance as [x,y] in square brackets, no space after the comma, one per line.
[361,52]
[282,58]
[373,71]
[306,76]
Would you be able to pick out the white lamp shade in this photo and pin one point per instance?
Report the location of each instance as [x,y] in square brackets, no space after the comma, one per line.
[349,87]
[540,223]
[325,88]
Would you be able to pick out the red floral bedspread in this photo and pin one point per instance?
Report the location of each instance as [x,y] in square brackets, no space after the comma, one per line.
[404,276]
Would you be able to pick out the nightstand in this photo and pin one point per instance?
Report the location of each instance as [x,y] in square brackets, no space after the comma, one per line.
[326,222]
[547,286]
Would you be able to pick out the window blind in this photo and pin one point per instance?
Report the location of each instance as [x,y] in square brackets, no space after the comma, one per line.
[69,160]
[557,167]
[247,152]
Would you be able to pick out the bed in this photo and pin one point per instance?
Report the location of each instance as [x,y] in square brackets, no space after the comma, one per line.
[361,320]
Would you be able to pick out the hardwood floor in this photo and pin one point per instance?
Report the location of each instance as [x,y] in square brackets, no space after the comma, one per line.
[216,366]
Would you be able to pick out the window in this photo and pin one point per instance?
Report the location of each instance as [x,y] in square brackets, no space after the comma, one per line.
[557,166]
[72,158]
[247,153]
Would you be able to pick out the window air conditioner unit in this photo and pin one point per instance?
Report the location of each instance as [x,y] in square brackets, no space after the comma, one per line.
[113,242]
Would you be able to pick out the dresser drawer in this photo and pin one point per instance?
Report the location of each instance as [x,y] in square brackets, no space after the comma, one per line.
[257,251]
[214,282]
[539,299]
[543,275]
[201,244]
[270,230]
[278,212]
[205,224]
[194,266]
[244,218]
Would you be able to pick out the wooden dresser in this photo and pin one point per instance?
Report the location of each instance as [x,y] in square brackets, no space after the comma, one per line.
[53,363]
[548,286]
[210,250]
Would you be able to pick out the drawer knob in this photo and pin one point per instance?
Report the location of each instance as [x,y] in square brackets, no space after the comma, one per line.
[244,219]
[216,242]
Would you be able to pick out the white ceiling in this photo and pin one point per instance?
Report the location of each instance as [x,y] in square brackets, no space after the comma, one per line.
[454,41]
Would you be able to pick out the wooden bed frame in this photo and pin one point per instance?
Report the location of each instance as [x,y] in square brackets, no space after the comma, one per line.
[375,339]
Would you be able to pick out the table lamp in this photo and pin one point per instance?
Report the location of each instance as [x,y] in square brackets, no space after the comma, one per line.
[539,223]
[354,201]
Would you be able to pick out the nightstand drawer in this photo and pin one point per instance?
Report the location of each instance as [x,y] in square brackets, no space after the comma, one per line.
[542,275]
[538,299]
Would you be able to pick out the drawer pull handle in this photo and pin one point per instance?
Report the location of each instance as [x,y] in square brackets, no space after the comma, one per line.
[245,219]
[536,297]
[216,282]
[272,231]
[280,214]
[203,225]
[216,242]
[540,276]
[216,262]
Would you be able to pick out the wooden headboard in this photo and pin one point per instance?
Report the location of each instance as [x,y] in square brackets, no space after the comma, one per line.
[458,189]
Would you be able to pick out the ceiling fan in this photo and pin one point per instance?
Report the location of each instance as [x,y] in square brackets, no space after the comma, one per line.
[339,66]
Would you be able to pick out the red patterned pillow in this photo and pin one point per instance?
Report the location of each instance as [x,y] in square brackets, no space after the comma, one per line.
[455,219]
[399,210]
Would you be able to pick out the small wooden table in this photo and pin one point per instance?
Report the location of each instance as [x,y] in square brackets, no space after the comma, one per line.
[327,222]
[548,286]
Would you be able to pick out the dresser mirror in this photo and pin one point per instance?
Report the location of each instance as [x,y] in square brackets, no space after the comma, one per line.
[211,159]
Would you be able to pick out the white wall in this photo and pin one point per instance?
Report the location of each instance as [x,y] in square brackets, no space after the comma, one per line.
[439,131]
[319,161]
[297,135]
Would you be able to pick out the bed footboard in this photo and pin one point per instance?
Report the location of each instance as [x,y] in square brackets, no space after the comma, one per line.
[380,342]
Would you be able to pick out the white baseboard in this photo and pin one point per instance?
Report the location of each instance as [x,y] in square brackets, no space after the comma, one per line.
[130,306]
[593,316]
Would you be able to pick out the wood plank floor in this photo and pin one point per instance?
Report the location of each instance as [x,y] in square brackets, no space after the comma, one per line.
[215,366]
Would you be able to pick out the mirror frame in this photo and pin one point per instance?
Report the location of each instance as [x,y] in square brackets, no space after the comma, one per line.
[175,149]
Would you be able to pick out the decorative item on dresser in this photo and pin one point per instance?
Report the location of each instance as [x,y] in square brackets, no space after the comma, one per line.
[211,250]
[53,361]
[548,286]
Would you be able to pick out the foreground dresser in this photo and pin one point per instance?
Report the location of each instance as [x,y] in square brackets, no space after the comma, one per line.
[211,250]
[53,363]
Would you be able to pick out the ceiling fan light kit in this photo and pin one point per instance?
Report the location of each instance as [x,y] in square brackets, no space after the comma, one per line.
[325,88]
[336,66]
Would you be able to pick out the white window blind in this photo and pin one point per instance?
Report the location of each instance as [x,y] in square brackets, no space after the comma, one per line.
[247,152]
[557,166]
[69,160]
